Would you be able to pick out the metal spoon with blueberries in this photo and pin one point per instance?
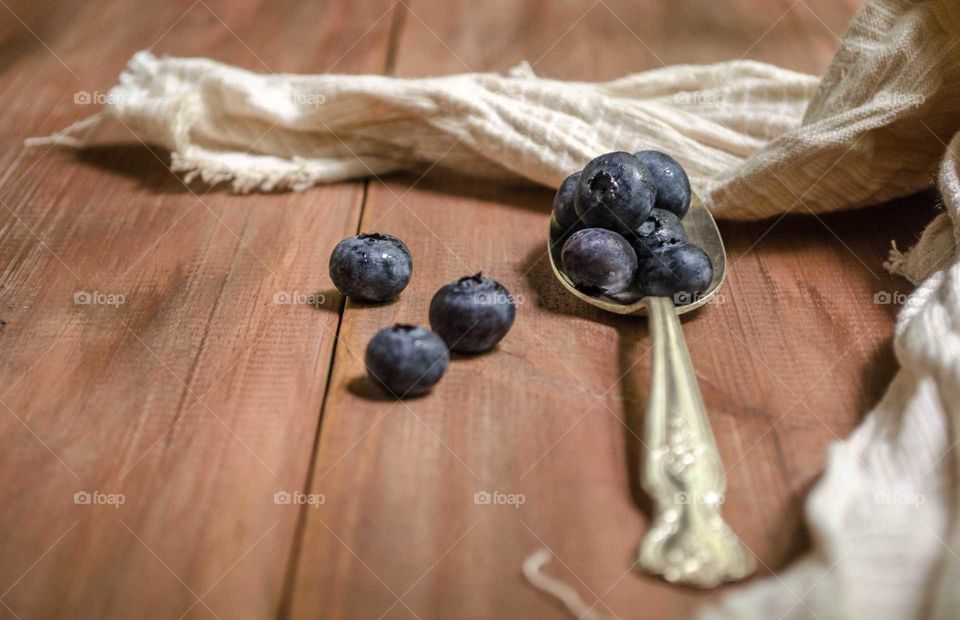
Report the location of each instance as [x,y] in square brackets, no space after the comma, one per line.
[618,242]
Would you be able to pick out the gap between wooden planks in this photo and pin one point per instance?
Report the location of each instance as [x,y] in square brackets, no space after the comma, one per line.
[198,397]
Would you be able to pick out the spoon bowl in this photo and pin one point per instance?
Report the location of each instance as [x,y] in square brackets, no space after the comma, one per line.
[701,230]
[688,541]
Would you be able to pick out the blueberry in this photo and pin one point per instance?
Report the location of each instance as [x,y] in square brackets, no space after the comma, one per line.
[406,360]
[563,211]
[599,260]
[472,314]
[673,186]
[371,267]
[616,192]
[661,228]
[681,271]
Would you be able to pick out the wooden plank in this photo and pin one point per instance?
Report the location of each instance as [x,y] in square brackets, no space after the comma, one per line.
[186,385]
[789,357]
[604,39]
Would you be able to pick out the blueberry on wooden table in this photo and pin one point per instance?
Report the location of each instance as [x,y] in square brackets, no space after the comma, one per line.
[661,228]
[472,314]
[371,267]
[563,212]
[674,270]
[616,192]
[673,186]
[406,360]
[600,260]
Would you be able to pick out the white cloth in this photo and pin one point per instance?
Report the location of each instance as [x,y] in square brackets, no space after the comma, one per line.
[757,141]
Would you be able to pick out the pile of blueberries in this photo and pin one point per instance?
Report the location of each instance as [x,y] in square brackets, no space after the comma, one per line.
[619,219]
[469,315]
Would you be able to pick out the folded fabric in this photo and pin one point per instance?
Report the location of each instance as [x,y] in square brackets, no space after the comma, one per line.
[758,141]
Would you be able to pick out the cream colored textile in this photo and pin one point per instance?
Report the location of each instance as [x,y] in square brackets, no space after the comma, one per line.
[758,141]
[265,132]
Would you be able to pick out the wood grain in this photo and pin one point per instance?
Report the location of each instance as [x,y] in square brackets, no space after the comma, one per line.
[204,393]
[197,398]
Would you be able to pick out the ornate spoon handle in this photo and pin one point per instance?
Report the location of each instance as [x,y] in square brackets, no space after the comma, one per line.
[688,541]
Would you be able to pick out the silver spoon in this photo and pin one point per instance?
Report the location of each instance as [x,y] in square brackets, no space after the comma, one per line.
[688,541]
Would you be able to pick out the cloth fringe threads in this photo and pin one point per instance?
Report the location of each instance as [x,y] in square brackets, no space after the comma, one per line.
[556,588]
[757,141]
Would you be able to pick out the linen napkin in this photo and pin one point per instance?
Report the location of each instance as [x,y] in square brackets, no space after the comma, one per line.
[757,141]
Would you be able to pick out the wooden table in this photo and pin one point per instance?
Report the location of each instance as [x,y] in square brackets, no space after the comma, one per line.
[189,392]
